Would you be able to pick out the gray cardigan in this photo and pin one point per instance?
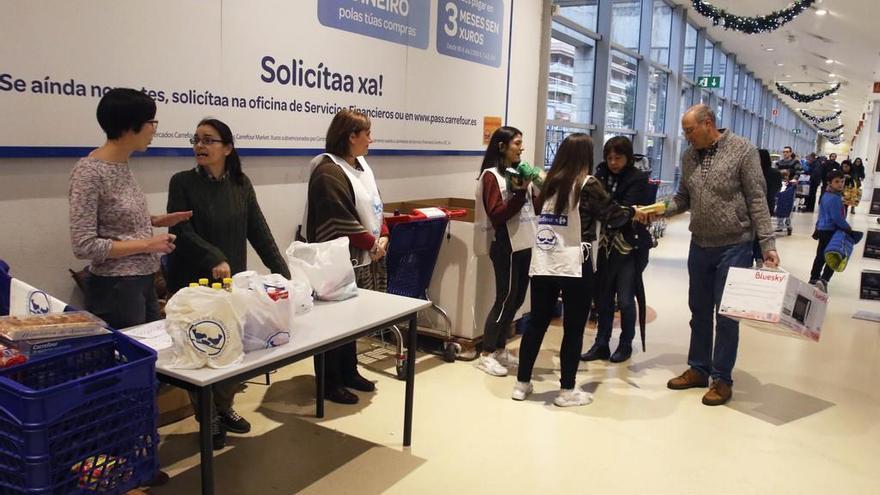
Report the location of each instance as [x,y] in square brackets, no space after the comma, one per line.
[730,205]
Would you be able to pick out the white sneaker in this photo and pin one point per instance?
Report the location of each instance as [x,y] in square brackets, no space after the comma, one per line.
[572,397]
[521,390]
[506,359]
[822,285]
[491,365]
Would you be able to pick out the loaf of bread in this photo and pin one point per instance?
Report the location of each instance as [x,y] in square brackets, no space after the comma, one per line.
[46,326]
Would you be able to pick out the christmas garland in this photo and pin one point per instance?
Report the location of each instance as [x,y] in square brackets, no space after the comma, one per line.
[804,98]
[751,25]
[816,120]
[830,131]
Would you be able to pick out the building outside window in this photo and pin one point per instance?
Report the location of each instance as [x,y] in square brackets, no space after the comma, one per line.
[661,32]
[626,22]
[654,153]
[585,15]
[658,83]
[621,101]
[690,51]
[708,57]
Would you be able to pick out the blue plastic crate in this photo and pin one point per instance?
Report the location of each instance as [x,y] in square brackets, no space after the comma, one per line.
[80,422]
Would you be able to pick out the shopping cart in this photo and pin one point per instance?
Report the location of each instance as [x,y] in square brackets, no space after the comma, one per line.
[802,192]
[785,202]
[659,190]
[415,241]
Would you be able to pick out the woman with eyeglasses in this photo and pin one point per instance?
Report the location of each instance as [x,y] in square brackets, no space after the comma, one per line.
[109,222]
[213,244]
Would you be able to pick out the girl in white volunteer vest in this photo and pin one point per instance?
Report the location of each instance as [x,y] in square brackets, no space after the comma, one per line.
[343,200]
[574,205]
[505,231]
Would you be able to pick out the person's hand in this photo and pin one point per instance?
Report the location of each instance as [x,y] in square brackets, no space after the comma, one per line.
[221,271]
[771,259]
[162,243]
[170,219]
[519,183]
[378,251]
[383,241]
[643,217]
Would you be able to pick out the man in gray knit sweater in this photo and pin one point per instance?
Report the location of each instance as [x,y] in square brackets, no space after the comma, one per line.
[723,188]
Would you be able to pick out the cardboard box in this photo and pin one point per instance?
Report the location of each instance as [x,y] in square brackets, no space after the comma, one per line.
[774,301]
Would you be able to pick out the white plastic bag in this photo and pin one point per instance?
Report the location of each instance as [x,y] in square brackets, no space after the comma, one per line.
[269,311]
[302,295]
[206,326]
[326,265]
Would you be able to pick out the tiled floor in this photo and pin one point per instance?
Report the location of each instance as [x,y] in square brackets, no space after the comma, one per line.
[804,418]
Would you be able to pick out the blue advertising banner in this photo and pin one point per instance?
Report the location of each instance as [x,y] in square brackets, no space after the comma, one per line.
[399,21]
[471,30]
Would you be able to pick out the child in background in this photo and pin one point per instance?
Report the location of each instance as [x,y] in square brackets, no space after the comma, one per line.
[832,217]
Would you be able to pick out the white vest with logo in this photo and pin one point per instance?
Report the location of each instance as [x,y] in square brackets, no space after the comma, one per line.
[559,250]
[367,202]
[520,227]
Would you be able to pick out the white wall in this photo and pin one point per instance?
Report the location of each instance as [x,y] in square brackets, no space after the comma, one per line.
[33,192]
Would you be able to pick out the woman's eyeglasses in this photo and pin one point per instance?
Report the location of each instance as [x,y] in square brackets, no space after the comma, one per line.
[207,140]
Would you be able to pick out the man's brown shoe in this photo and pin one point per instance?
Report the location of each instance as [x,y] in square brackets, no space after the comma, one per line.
[689,379]
[719,394]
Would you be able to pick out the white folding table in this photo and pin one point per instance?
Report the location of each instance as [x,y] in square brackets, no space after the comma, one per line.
[327,326]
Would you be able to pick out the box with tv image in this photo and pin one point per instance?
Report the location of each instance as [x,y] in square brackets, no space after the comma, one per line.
[870,285]
[774,301]
[872,244]
[875,202]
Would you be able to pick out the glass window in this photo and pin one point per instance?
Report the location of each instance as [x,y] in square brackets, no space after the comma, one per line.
[719,112]
[705,96]
[621,103]
[570,82]
[686,92]
[657,100]
[708,53]
[555,135]
[661,32]
[586,15]
[722,71]
[690,51]
[735,82]
[654,152]
[626,22]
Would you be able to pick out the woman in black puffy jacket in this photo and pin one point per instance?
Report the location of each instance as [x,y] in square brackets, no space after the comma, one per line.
[624,254]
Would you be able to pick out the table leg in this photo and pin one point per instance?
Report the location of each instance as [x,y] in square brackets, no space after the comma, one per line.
[319,385]
[206,401]
[410,380]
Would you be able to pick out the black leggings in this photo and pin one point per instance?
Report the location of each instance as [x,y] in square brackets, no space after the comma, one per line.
[511,283]
[819,261]
[576,292]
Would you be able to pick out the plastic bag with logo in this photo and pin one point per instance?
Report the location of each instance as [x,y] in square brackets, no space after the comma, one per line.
[269,311]
[206,326]
[326,265]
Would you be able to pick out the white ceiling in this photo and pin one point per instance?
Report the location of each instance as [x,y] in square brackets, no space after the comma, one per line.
[849,34]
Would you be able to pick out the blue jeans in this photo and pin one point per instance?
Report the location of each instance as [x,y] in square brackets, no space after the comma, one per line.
[707,270]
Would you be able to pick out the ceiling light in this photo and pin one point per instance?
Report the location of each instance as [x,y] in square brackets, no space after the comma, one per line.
[769,49]
[832,75]
[787,75]
[821,12]
[829,61]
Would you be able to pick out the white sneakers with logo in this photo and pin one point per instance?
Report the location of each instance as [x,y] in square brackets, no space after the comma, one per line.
[506,359]
[521,390]
[569,397]
[490,365]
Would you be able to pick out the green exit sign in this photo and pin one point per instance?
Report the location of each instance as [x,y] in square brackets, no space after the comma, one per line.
[796,131]
[709,81]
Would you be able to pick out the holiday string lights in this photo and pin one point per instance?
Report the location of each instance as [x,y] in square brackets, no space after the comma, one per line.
[816,119]
[751,25]
[805,98]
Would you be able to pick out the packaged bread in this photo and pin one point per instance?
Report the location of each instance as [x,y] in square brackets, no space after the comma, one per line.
[658,208]
[72,324]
